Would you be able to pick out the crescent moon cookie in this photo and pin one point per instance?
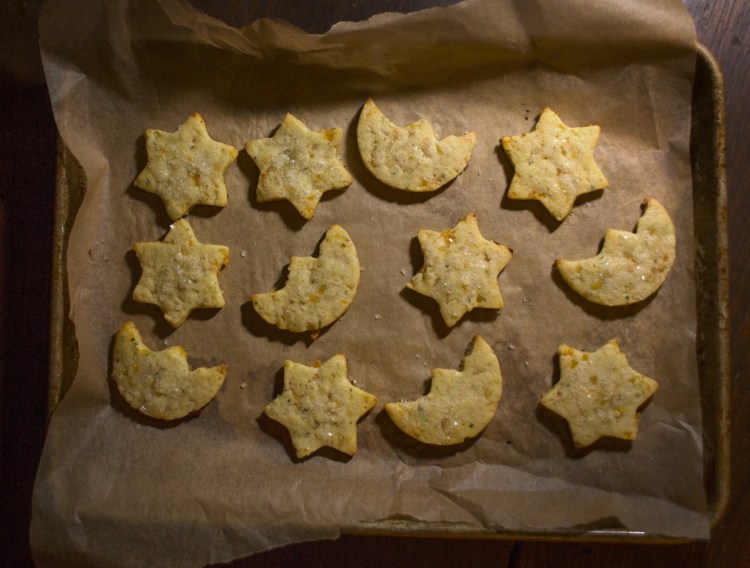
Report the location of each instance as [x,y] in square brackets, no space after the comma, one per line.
[554,164]
[180,274]
[631,266]
[299,165]
[460,403]
[410,158]
[160,384]
[320,407]
[318,290]
[598,394]
[186,167]
[460,269]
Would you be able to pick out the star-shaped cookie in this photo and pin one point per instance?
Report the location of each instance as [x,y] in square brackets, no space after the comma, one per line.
[299,165]
[320,407]
[180,274]
[460,269]
[598,393]
[186,167]
[554,164]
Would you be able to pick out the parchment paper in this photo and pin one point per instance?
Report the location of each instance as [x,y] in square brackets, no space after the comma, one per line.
[117,489]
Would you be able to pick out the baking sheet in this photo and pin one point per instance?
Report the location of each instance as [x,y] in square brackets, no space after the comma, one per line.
[519,475]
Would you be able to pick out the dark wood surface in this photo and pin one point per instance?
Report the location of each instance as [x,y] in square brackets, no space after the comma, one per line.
[27,181]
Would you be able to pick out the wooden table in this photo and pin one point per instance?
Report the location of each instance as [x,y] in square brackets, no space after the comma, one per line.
[27,181]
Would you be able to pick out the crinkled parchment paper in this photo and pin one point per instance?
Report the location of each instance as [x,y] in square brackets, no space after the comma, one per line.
[117,489]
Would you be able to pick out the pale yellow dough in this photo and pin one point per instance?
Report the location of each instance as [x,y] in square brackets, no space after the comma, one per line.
[410,158]
[186,167]
[160,384]
[460,269]
[320,407]
[318,290]
[460,403]
[299,165]
[554,164]
[631,266]
[180,274]
[598,393]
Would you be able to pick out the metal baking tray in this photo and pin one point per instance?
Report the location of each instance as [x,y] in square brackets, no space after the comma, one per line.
[709,211]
